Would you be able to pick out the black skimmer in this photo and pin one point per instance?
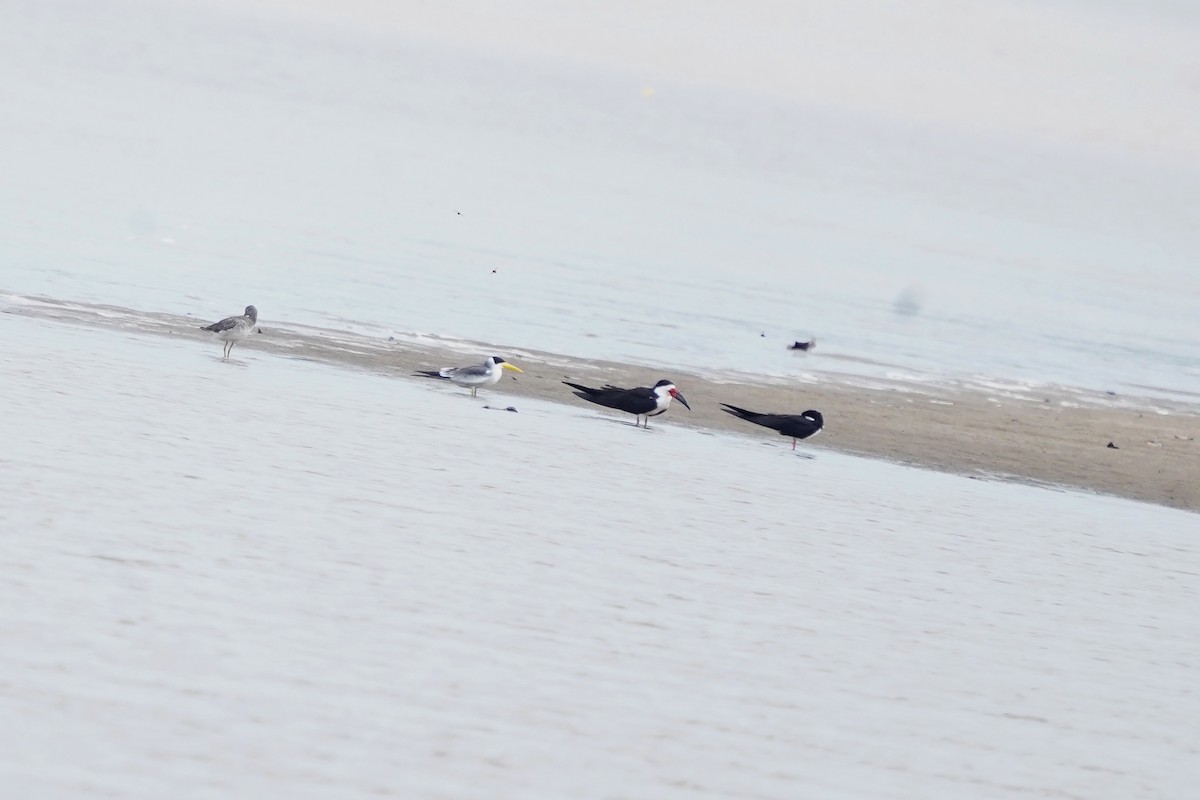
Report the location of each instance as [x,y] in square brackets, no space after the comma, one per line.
[809,345]
[644,401]
[797,426]
[232,330]
[486,374]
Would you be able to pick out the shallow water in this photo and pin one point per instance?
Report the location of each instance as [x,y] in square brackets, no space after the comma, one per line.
[273,577]
[178,157]
[277,578]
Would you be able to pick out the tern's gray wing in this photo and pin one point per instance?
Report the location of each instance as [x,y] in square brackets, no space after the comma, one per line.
[473,376]
[225,324]
[475,371]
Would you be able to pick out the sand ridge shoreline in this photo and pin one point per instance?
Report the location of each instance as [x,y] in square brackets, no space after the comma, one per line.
[961,431]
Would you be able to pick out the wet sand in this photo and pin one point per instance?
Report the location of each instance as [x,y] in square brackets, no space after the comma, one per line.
[1046,441]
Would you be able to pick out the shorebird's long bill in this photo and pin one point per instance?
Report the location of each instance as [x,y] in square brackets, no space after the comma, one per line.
[679,396]
[507,365]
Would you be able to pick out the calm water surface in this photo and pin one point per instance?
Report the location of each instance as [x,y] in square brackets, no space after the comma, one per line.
[179,157]
[275,578]
[272,577]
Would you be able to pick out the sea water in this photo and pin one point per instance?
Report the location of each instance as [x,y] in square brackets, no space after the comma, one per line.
[273,577]
[193,157]
[276,577]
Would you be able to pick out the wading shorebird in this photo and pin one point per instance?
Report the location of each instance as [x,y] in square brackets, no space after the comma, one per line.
[486,374]
[644,401]
[232,330]
[797,426]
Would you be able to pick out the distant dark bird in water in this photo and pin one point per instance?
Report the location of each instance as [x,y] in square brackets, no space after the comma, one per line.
[486,374]
[644,401]
[809,345]
[1112,446]
[797,426]
[232,330]
[907,303]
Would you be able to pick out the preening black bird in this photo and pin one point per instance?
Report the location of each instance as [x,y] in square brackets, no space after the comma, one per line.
[644,401]
[797,426]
